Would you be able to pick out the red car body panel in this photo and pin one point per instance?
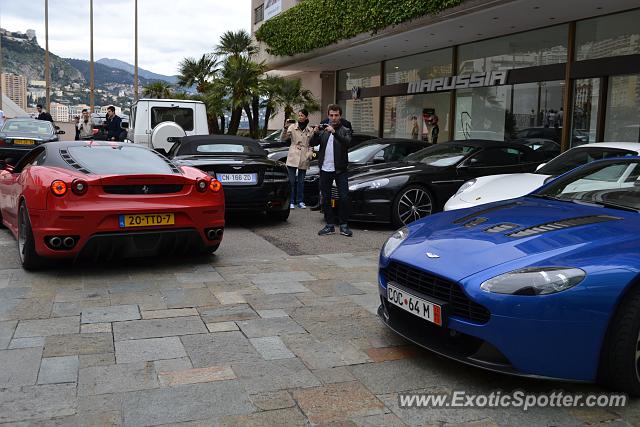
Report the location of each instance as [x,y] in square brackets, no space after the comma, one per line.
[97,212]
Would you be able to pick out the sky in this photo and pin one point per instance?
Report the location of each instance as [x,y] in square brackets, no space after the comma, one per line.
[168,30]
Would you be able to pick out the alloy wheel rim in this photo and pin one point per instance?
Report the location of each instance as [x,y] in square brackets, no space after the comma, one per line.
[22,234]
[413,205]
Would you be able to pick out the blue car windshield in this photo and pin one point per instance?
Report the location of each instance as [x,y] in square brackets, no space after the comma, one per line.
[615,185]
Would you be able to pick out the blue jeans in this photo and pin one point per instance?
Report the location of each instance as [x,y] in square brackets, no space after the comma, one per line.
[297,191]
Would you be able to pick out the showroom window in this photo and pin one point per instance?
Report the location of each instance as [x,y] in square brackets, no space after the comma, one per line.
[606,36]
[530,49]
[418,67]
[586,98]
[365,76]
[623,105]
[415,116]
[363,114]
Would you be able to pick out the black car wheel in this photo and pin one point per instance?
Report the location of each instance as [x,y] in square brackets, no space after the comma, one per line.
[29,259]
[279,215]
[620,354]
[411,204]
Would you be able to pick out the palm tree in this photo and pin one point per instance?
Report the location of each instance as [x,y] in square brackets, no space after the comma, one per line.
[292,95]
[198,72]
[242,76]
[157,89]
[271,92]
[235,44]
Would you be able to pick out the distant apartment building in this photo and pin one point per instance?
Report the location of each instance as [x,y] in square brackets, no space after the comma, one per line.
[76,110]
[59,112]
[15,87]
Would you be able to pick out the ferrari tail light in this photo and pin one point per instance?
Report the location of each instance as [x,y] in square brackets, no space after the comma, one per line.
[2,141]
[215,185]
[201,185]
[59,188]
[79,187]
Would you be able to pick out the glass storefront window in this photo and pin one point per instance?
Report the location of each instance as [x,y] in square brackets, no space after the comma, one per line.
[533,48]
[365,76]
[363,114]
[423,117]
[586,99]
[623,104]
[606,36]
[418,67]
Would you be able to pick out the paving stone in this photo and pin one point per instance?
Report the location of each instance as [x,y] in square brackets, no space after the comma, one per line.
[170,365]
[73,344]
[116,313]
[272,288]
[392,353]
[326,354]
[75,308]
[269,327]
[14,293]
[47,327]
[269,302]
[104,359]
[151,300]
[395,375]
[27,342]
[271,348]
[41,402]
[219,348]
[55,370]
[185,403]
[149,349]
[326,288]
[269,401]
[179,298]
[227,314]
[337,402]
[80,295]
[6,332]
[31,308]
[333,375]
[270,314]
[209,276]
[280,277]
[196,375]
[157,328]
[117,378]
[274,375]
[369,302]
[91,328]
[378,420]
[222,327]
[342,328]
[19,367]
[174,312]
[276,418]
[227,298]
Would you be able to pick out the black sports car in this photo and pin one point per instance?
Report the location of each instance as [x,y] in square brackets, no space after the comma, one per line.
[251,181]
[372,152]
[402,192]
[19,136]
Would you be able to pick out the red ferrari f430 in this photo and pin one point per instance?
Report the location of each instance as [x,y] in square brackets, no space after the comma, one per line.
[102,200]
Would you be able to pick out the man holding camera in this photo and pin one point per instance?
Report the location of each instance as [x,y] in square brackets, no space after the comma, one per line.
[334,140]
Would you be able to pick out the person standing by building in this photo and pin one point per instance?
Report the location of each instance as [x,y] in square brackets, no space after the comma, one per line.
[334,140]
[415,129]
[113,124]
[43,115]
[85,127]
[2,118]
[298,156]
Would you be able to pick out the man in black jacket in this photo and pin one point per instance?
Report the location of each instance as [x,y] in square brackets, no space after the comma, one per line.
[113,124]
[43,115]
[334,140]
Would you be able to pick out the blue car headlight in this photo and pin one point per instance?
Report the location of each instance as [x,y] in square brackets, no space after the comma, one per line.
[534,281]
[394,241]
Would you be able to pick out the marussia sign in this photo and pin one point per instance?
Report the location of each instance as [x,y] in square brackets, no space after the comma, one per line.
[493,78]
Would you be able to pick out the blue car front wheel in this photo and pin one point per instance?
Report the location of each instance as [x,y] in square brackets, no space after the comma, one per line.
[620,355]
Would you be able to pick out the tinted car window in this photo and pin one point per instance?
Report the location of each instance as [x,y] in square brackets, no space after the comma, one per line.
[192,148]
[580,156]
[442,155]
[497,157]
[362,154]
[40,128]
[119,159]
[182,116]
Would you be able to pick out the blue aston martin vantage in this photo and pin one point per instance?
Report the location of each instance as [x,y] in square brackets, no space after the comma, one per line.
[546,285]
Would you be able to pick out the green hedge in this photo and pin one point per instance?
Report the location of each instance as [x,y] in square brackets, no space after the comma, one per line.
[313,24]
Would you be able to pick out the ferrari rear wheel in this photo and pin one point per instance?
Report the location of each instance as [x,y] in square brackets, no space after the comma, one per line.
[29,259]
[411,204]
[620,354]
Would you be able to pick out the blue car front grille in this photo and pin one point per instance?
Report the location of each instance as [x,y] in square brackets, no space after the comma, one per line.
[429,285]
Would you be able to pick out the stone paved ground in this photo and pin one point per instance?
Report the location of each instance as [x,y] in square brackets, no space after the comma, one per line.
[252,336]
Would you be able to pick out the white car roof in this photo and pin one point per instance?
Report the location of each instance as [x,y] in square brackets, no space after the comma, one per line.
[631,146]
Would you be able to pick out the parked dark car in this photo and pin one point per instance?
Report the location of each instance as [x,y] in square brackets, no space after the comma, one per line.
[19,136]
[251,181]
[402,192]
[280,153]
[275,141]
[373,152]
[546,148]
[552,133]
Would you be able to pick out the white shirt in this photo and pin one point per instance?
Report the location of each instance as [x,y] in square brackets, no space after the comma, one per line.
[328,165]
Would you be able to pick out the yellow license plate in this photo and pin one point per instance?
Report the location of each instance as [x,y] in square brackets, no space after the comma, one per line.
[146,220]
[24,141]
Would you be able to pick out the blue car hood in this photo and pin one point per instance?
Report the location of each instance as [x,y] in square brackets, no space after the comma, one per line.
[464,242]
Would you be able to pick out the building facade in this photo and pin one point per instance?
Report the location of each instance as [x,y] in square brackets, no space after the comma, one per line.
[569,71]
[15,87]
[59,112]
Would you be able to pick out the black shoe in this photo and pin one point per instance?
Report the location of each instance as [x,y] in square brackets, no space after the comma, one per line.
[345,230]
[315,208]
[328,229]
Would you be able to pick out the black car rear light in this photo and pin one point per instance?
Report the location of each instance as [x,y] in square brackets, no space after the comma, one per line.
[79,187]
[201,185]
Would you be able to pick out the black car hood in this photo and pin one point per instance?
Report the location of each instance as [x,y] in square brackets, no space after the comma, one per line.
[196,161]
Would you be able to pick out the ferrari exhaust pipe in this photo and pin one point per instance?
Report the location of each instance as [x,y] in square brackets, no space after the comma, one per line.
[219,233]
[211,234]
[69,242]
[269,204]
[55,242]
